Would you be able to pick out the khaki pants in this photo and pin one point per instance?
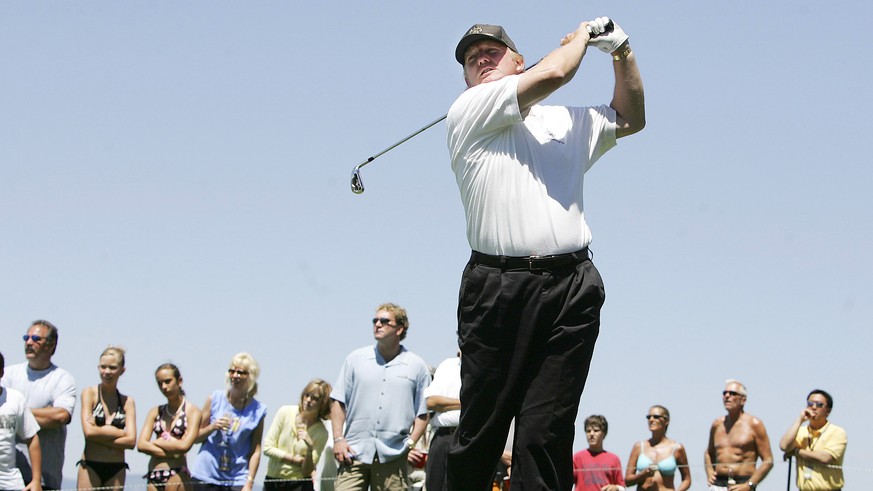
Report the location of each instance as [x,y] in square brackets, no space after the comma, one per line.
[378,476]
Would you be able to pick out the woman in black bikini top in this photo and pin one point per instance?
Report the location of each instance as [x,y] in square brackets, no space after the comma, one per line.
[109,424]
[168,433]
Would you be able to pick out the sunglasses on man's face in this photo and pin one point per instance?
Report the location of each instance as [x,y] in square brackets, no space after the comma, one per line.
[655,416]
[384,320]
[32,337]
[730,393]
[815,404]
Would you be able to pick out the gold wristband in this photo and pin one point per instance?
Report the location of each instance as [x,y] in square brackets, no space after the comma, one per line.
[619,55]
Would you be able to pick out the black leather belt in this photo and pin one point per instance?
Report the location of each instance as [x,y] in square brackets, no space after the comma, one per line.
[531,263]
[444,430]
[722,481]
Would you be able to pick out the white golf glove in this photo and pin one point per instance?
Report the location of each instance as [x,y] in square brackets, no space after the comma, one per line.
[607,42]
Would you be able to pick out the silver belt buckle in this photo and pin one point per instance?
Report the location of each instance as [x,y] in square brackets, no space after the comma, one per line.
[530,261]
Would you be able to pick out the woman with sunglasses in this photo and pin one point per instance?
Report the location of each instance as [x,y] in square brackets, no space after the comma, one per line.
[231,429]
[653,463]
[109,425]
[296,439]
[168,432]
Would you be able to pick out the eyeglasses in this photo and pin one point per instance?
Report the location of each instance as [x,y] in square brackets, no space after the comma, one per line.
[237,371]
[730,393]
[815,404]
[384,320]
[32,337]
[655,416]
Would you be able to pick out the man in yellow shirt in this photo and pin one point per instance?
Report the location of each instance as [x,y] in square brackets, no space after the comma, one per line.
[818,446]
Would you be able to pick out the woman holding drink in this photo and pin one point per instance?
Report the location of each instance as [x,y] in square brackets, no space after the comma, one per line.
[231,429]
[296,439]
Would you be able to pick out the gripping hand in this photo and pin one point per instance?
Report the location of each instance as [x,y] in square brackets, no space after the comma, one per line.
[606,35]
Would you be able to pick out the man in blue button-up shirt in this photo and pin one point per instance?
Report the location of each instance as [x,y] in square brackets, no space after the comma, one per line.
[379,396]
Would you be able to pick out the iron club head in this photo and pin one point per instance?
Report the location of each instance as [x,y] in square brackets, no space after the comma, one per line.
[357,183]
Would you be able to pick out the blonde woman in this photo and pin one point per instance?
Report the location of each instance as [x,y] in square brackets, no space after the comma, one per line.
[168,432]
[296,439]
[109,425]
[231,430]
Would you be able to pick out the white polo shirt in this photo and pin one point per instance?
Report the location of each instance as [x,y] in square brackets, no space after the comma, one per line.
[521,179]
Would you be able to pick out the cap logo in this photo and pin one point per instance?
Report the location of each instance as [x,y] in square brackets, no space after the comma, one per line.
[475,30]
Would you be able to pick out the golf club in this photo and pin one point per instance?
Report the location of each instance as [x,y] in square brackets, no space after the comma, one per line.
[358,184]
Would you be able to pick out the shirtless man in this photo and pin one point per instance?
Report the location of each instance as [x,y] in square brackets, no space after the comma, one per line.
[736,442]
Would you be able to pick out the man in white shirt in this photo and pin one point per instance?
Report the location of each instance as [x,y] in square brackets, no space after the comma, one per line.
[443,399]
[530,299]
[17,423]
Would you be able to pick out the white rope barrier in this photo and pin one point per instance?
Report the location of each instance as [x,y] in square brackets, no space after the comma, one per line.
[259,484]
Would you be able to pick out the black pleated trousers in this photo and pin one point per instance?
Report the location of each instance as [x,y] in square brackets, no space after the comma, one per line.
[526,339]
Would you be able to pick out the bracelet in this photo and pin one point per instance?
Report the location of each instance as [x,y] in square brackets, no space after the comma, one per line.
[339,438]
[250,479]
[620,55]
[410,444]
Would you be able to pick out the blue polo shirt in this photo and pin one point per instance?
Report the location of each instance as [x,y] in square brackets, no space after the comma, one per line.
[382,400]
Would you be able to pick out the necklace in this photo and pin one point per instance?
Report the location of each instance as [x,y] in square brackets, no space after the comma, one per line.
[177,411]
[237,404]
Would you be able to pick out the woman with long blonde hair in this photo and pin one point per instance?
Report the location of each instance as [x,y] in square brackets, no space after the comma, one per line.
[231,430]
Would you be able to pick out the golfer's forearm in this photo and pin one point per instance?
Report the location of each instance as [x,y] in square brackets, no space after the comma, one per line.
[628,97]
[553,71]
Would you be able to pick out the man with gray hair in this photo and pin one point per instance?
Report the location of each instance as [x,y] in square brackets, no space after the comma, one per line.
[736,442]
[50,393]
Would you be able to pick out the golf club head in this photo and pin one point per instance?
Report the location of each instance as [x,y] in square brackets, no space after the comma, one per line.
[357,183]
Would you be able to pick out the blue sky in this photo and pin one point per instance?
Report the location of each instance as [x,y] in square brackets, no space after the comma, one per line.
[174,178]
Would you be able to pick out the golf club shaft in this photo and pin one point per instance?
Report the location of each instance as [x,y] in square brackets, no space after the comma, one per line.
[392,147]
[358,184]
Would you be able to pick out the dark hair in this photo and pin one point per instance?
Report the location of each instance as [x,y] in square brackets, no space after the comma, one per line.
[173,368]
[826,396]
[52,335]
[597,420]
[2,361]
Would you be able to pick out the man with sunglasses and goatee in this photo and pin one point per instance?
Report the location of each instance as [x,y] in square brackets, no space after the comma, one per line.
[50,392]
[818,446]
[736,442]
